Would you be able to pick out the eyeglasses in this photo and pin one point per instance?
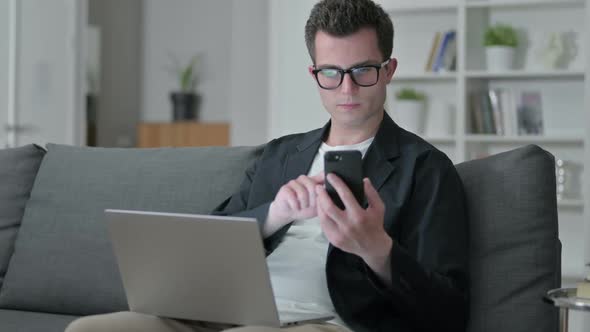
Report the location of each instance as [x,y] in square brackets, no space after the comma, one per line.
[365,75]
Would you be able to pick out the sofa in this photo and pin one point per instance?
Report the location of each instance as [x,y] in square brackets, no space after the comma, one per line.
[56,262]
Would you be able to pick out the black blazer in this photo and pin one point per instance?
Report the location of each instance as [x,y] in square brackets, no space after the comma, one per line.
[425,215]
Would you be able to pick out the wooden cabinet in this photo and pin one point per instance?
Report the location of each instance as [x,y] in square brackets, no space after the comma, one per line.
[178,134]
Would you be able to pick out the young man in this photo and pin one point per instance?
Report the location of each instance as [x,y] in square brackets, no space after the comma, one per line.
[400,264]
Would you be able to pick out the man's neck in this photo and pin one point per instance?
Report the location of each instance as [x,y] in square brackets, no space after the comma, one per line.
[341,135]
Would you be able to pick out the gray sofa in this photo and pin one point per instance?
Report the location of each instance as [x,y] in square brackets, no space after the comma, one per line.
[56,263]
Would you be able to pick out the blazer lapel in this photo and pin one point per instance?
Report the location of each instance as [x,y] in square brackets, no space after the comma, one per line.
[377,164]
[299,160]
[377,168]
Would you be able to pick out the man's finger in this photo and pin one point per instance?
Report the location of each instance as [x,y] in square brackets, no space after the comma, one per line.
[302,193]
[328,206]
[343,191]
[318,178]
[328,225]
[291,198]
[373,198]
[309,185]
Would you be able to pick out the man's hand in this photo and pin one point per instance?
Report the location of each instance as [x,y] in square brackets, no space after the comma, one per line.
[356,230]
[295,200]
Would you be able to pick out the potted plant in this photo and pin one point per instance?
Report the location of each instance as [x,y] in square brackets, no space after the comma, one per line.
[409,109]
[185,101]
[500,42]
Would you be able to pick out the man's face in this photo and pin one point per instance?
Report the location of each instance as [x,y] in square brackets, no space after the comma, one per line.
[351,105]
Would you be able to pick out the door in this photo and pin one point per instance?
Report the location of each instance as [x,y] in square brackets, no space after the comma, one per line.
[4,69]
[41,50]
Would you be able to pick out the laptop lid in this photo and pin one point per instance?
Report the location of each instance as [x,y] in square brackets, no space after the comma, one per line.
[197,267]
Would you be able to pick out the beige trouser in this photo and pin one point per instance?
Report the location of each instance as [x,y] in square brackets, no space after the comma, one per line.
[133,322]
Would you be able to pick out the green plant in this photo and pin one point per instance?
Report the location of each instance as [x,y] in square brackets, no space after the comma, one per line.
[186,74]
[500,35]
[410,94]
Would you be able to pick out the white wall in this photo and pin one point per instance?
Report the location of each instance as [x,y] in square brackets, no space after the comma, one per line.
[295,105]
[248,105]
[232,36]
[184,28]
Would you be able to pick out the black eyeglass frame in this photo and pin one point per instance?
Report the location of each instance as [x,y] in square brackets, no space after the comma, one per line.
[349,71]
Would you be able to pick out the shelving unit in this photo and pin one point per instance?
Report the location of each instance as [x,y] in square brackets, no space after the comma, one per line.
[521,3]
[427,77]
[524,74]
[571,203]
[525,139]
[420,6]
[563,90]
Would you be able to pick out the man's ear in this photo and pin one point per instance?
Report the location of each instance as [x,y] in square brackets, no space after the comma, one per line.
[390,69]
[310,69]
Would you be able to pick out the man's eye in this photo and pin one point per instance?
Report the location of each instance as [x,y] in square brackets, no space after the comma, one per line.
[362,70]
[329,73]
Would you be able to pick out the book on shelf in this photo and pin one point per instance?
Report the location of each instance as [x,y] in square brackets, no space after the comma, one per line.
[530,115]
[505,112]
[433,49]
[482,114]
[443,52]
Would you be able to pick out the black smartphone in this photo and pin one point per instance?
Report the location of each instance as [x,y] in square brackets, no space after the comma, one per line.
[348,165]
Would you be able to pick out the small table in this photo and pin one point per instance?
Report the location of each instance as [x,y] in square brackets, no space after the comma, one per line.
[566,300]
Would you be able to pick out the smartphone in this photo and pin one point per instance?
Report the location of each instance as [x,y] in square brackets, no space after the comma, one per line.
[348,165]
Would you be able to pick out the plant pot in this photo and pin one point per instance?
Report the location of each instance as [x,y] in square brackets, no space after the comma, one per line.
[185,106]
[500,58]
[91,108]
[409,114]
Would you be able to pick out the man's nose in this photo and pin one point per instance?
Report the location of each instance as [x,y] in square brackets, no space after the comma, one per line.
[348,86]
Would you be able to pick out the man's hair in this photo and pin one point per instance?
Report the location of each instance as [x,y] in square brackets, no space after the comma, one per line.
[342,18]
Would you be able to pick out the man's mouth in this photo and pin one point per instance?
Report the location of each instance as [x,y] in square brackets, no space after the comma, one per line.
[349,105]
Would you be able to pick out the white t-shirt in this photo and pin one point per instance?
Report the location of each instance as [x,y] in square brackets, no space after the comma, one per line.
[297,266]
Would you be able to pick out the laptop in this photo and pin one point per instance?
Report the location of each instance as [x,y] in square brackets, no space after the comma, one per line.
[197,267]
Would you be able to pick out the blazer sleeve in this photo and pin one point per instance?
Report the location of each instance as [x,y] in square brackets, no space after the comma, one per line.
[429,262]
[239,205]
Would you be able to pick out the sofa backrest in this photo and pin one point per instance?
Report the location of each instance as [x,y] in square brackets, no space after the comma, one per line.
[515,253]
[63,261]
[18,168]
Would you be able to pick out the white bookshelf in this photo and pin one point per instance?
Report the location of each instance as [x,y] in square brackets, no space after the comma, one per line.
[525,139]
[441,139]
[571,203]
[522,3]
[419,7]
[526,74]
[427,77]
[566,114]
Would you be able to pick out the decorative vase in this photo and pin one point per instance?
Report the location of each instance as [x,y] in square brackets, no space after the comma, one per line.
[185,106]
[552,52]
[409,114]
[500,58]
[568,176]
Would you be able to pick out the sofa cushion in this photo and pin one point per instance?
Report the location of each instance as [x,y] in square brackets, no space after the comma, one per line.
[63,261]
[25,321]
[514,247]
[18,168]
